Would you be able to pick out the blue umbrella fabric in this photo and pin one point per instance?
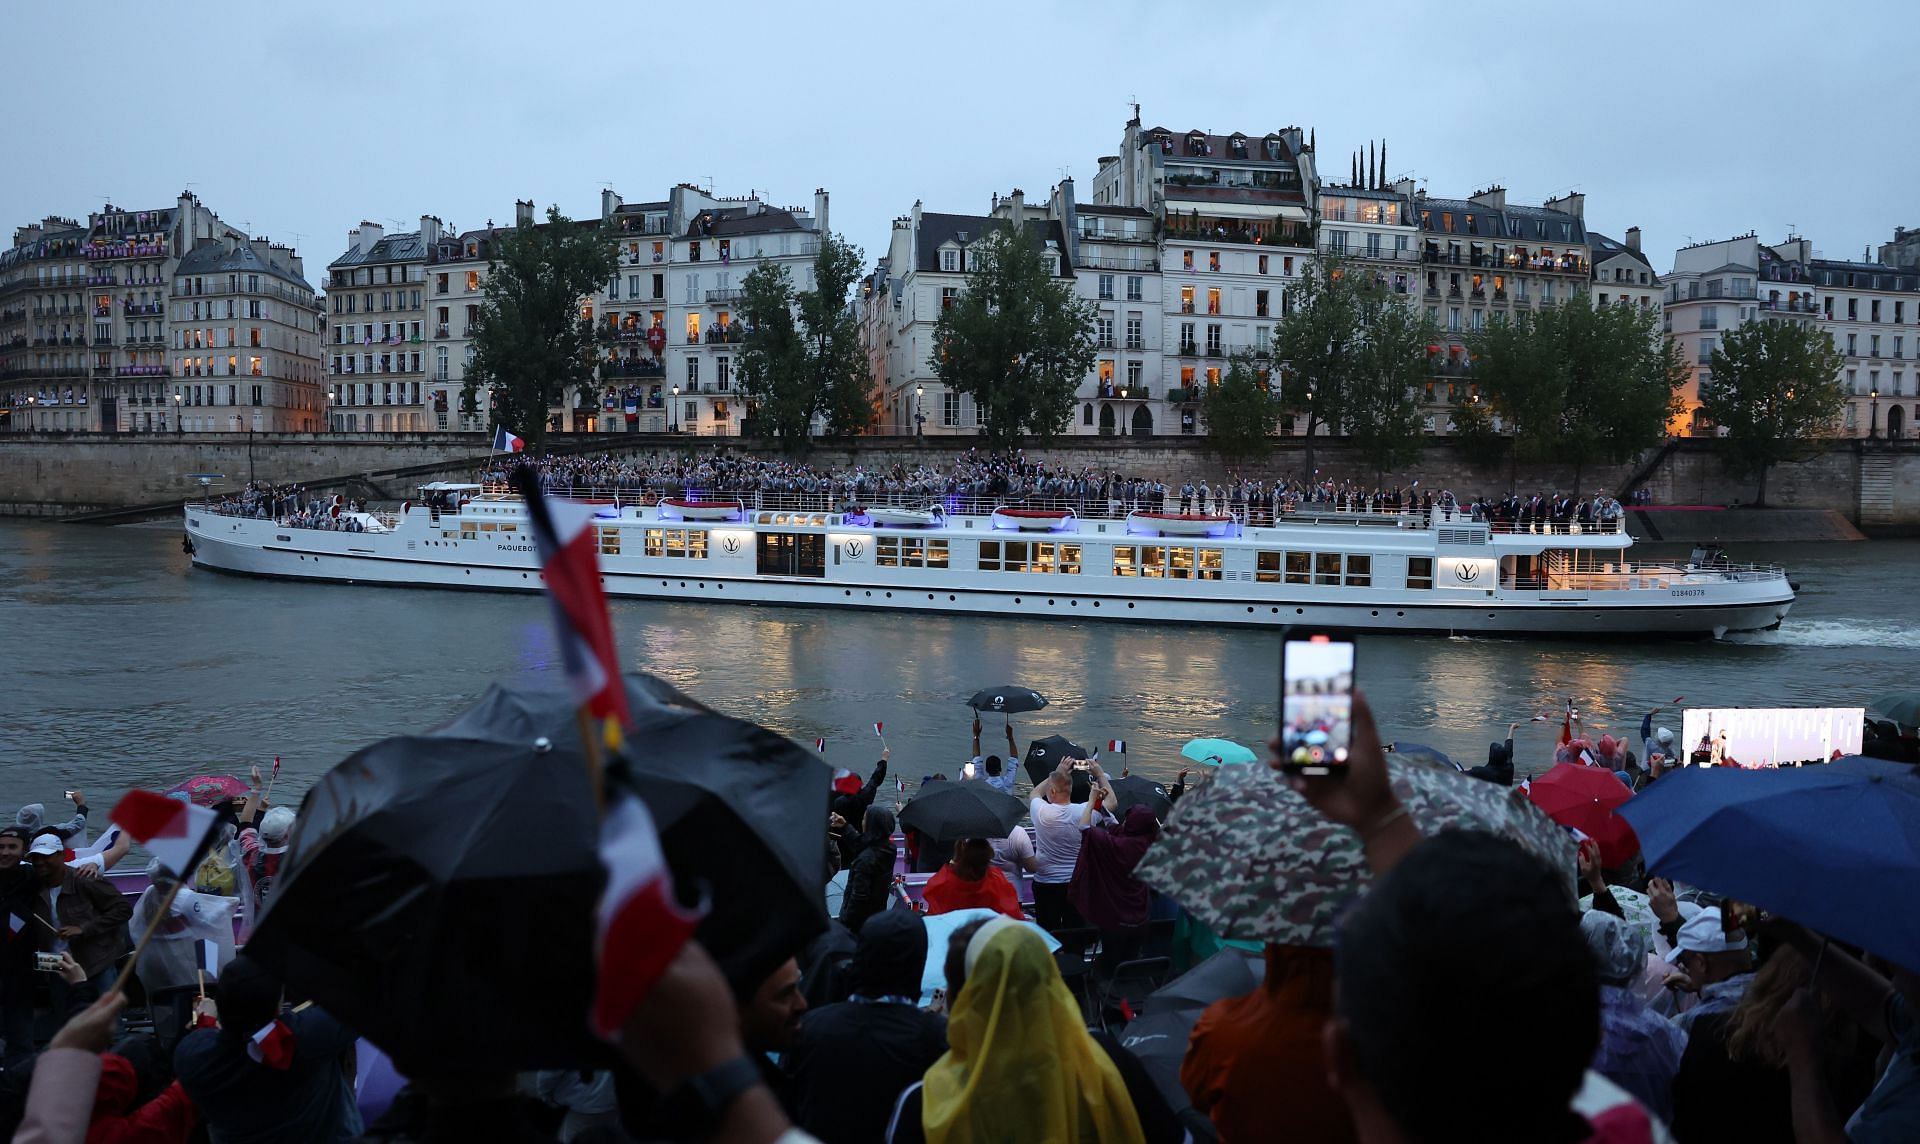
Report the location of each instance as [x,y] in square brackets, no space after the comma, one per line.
[1218,752]
[940,928]
[1835,848]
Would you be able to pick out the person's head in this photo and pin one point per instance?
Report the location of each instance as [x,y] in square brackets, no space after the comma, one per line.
[1059,789]
[13,846]
[769,1018]
[1750,1029]
[1706,952]
[1619,950]
[956,963]
[993,765]
[971,858]
[49,857]
[878,824]
[276,825]
[1140,820]
[31,816]
[250,997]
[891,955]
[1664,737]
[1468,950]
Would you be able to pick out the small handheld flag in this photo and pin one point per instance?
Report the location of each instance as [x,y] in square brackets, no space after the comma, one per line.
[846,782]
[1117,746]
[505,442]
[207,956]
[820,745]
[174,832]
[900,784]
[272,1045]
[879,730]
[641,929]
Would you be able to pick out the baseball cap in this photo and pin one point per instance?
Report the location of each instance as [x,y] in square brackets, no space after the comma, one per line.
[47,844]
[1702,933]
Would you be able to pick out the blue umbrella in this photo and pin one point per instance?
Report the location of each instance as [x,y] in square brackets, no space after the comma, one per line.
[1217,752]
[1835,848]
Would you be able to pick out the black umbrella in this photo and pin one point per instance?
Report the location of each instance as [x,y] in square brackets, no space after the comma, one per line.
[947,812]
[1007,700]
[1136,790]
[1043,755]
[1158,1037]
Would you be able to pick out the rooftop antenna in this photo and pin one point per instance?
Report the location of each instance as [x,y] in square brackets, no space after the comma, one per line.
[1066,173]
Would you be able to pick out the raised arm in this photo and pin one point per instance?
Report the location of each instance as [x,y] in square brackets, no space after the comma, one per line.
[254,796]
[976,734]
[1364,799]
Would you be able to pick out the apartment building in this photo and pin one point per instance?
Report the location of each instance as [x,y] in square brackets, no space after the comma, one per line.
[1622,276]
[376,295]
[46,376]
[243,345]
[1717,285]
[1872,312]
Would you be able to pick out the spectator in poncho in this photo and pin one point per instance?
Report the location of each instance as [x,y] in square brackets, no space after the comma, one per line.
[1104,890]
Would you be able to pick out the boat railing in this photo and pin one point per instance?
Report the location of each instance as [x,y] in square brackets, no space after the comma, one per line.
[1626,575]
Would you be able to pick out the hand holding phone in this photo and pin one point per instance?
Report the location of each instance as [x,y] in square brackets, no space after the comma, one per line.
[1316,702]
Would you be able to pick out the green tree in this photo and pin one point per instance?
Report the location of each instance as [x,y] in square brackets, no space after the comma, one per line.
[1016,339]
[1317,340]
[1380,410]
[802,356]
[535,342]
[1775,388]
[1241,412]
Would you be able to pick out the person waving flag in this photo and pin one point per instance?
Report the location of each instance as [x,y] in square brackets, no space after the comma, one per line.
[505,442]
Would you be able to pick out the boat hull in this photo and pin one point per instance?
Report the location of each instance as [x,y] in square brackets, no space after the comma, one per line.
[251,548]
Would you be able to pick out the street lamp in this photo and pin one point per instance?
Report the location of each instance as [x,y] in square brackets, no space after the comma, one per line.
[32,400]
[333,395]
[919,418]
[1873,408]
[673,412]
[177,430]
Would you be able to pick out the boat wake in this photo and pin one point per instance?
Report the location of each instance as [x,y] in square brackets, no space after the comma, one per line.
[1831,633]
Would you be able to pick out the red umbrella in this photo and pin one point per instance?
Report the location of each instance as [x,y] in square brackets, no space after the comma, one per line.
[206,790]
[1585,798]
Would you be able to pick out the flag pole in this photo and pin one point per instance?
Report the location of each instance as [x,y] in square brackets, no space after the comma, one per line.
[160,913]
[590,748]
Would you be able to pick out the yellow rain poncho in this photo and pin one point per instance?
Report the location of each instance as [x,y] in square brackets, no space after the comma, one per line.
[1021,1066]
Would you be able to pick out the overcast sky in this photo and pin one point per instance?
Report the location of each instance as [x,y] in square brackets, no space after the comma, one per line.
[1693,120]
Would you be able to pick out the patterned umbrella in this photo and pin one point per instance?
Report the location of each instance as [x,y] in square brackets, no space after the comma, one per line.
[1252,860]
[206,790]
[1638,909]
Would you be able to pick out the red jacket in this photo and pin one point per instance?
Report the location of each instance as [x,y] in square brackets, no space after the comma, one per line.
[947,891]
[166,1119]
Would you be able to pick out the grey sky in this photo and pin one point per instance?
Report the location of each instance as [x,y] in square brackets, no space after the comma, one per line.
[1688,119]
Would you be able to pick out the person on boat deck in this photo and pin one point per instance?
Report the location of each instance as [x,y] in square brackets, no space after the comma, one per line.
[19,888]
[970,881]
[870,875]
[261,853]
[1013,855]
[991,768]
[86,917]
[1104,890]
[1057,825]
[849,1060]
[1186,496]
[851,808]
[33,817]
[1499,765]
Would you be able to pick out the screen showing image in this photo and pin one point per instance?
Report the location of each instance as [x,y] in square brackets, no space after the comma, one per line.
[1316,706]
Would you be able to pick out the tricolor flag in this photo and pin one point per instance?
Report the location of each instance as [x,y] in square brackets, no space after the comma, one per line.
[640,926]
[900,784]
[570,561]
[174,832]
[1117,746]
[878,730]
[846,782]
[276,764]
[206,955]
[505,442]
[272,1045]
[1566,725]
[820,745]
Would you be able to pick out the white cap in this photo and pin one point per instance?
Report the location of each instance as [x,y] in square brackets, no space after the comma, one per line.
[47,844]
[1665,736]
[276,824]
[1702,933]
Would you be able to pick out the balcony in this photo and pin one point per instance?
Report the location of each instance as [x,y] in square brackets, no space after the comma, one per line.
[1115,262]
[1189,349]
[1183,394]
[1111,392]
[142,371]
[103,311]
[441,332]
[102,340]
[1213,350]
[726,297]
[151,249]
[1103,343]
[105,278]
[633,367]
[1238,233]
[729,335]
[1499,296]
[1477,295]
[1135,344]
[139,309]
[1795,305]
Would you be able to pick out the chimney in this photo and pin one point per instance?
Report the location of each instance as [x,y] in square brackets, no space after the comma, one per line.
[429,233]
[1572,203]
[1018,211]
[1493,198]
[609,202]
[1633,239]
[363,237]
[1404,186]
[523,212]
[820,210]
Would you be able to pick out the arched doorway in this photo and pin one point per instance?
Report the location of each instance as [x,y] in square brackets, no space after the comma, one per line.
[1896,421]
[1142,422]
[1106,420]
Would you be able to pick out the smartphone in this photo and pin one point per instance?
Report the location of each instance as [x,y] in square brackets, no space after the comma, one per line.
[1316,701]
[47,962]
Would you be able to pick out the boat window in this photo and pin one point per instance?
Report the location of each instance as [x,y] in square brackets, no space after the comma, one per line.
[1069,560]
[609,542]
[1299,567]
[1326,568]
[1359,570]
[1419,571]
[1267,569]
[485,526]
[1179,563]
[1153,560]
[654,545]
[936,553]
[1123,564]
[886,551]
[789,553]
[1211,561]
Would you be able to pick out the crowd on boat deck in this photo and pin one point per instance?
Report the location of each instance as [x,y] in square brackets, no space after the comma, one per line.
[289,506]
[1464,995]
[983,478]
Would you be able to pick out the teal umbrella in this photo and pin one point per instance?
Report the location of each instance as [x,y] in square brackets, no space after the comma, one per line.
[1215,752]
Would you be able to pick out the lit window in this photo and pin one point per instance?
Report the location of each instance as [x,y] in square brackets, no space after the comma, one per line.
[693,329]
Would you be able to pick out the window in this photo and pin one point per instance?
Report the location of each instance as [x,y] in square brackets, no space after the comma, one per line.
[1420,572]
[1267,567]
[1853,345]
[473,283]
[1106,286]
[1141,560]
[1186,299]
[693,252]
[684,543]
[909,552]
[1133,375]
[1213,260]
[1213,337]
[610,541]
[693,329]
[1359,570]
[1299,567]
[950,261]
[947,296]
[722,371]
[1213,299]
[659,286]
[693,375]
[1326,568]
[1133,287]
[1263,264]
[1103,330]
[1186,260]
[1135,340]
[440,284]
[1873,345]
[1260,304]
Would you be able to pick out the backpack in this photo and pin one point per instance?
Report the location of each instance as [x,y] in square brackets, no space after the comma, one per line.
[216,875]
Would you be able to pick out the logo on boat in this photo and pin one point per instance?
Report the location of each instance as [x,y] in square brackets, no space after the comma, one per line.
[1466,573]
[854,549]
[730,544]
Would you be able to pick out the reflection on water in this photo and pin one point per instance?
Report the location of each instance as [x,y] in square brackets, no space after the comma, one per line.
[125,668]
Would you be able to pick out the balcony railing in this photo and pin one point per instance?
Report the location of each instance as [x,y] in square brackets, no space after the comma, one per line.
[1795,306]
[725,297]
[136,309]
[1135,344]
[1114,262]
[440,332]
[1182,394]
[1189,349]
[1113,392]
[1103,343]
[1213,350]
[726,335]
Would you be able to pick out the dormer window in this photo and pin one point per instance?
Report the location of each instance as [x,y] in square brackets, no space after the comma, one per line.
[1238,146]
[950,260]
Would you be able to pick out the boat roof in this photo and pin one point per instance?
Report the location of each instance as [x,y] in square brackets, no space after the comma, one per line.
[449,487]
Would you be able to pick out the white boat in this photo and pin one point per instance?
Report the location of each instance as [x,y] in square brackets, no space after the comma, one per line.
[1178,523]
[1441,572]
[703,510]
[905,517]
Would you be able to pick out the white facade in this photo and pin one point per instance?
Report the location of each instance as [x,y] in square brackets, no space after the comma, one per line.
[1872,312]
[1117,263]
[1716,286]
[1622,276]
[244,342]
[376,338]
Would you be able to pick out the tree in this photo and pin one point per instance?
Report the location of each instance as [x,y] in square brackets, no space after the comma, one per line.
[1016,339]
[1380,411]
[1775,388]
[1317,339]
[802,357]
[535,340]
[1241,412]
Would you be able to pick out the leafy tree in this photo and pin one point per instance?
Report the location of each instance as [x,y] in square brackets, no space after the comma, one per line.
[535,341]
[1775,388]
[1380,411]
[1318,339]
[1241,412]
[1016,340]
[802,356]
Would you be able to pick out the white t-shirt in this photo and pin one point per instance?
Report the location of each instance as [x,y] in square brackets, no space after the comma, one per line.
[1010,853]
[1056,838]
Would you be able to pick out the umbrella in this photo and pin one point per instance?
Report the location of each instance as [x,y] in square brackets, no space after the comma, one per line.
[1136,790]
[1158,1037]
[1007,700]
[205,790]
[1250,859]
[1585,799]
[1043,755]
[1230,972]
[947,812]
[1901,707]
[425,871]
[1835,848]
[1216,752]
[940,928]
[1419,753]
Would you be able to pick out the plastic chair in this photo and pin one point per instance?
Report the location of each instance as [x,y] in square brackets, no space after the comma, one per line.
[1075,961]
[1130,984]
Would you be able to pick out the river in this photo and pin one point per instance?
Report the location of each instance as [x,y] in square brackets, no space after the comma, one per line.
[126,667]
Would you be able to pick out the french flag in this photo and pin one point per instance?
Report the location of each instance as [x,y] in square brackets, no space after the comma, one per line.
[1116,746]
[206,955]
[640,926]
[505,442]
[570,561]
[173,831]
[820,745]
[846,782]
[879,729]
[272,1045]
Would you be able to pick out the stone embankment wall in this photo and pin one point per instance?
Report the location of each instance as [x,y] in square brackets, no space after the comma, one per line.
[1876,486]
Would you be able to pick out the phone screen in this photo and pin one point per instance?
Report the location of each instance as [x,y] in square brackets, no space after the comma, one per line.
[1316,703]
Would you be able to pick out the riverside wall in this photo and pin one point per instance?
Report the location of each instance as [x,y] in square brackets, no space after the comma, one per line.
[1875,485]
